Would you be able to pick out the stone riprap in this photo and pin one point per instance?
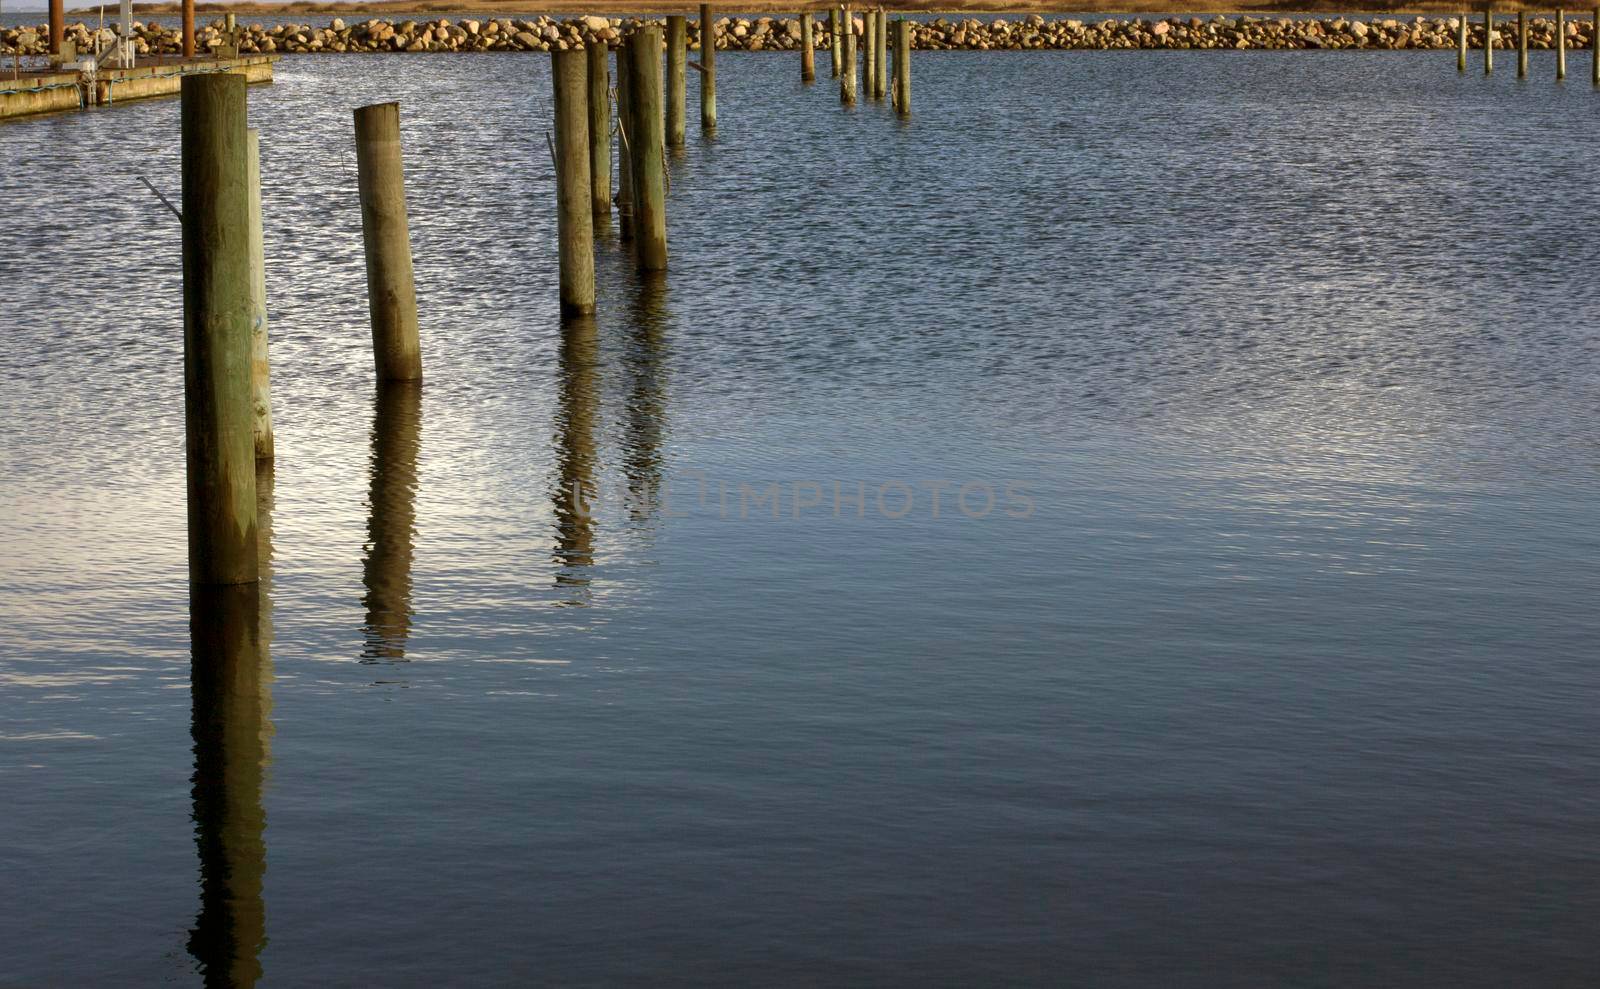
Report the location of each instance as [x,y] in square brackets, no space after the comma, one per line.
[513,34]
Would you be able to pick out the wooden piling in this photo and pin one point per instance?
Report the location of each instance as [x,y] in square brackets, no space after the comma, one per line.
[624,157]
[808,58]
[645,146]
[599,127]
[677,82]
[391,284]
[1488,40]
[260,366]
[569,78]
[188,28]
[1461,43]
[847,80]
[708,70]
[1522,44]
[218,412]
[1561,44]
[1594,48]
[869,51]
[880,60]
[902,66]
[58,22]
[835,42]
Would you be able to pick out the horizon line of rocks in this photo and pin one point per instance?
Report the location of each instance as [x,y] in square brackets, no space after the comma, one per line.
[1032,32]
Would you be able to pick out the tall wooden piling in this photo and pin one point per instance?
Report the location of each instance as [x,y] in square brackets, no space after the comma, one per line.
[646,142]
[260,366]
[1522,44]
[188,28]
[391,284]
[1461,43]
[598,55]
[880,59]
[219,419]
[569,78]
[708,70]
[847,78]
[1561,44]
[677,83]
[1488,40]
[902,66]
[869,51]
[58,22]
[624,156]
[835,42]
[808,58]
[1594,49]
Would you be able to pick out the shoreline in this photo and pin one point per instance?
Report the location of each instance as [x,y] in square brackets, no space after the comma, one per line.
[1027,33]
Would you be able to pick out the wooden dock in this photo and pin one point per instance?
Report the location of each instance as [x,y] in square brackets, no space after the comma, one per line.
[53,90]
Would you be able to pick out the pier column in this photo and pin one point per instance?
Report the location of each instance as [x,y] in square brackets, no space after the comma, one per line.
[708,70]
[386,232]
[624,154]
[219,420]
[880,58]
[646,146]
[847,79]
[1461,43]
[1488,40]
[902,65]
[188,28]
[58,23]
[569,80]
[808,64]
[1522,44]
[835,42]
[677,83]
[598,55]
[1561,44]
[260,366]
[1594,48]
[869,51]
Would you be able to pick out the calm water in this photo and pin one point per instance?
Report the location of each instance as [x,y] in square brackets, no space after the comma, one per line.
[1272,663]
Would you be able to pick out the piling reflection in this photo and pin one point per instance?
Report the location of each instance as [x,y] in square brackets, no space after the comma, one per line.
[577,412]
[646,417]
[231,690]
[391,520]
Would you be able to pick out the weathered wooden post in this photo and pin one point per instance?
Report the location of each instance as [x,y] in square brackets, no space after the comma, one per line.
[624,155]
[902,65]
[808,63]
[645,143]
[847,81]
[598,54]
[569,78]
[1488,40]
[708,70]
[219,418]
[1522,44]
[58,22]
[1594,48]
[869,51]
[188,28]
[260,366]
[677,83]
[880,58]
[835,42]
[391,285]
[1561,44]
[1461,42]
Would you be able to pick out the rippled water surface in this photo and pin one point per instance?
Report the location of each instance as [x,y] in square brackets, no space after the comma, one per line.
[1272,661]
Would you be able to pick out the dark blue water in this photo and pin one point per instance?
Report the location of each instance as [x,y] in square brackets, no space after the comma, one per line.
[1271,663]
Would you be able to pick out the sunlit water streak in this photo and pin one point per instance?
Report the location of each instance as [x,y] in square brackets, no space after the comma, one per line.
[1287,677]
